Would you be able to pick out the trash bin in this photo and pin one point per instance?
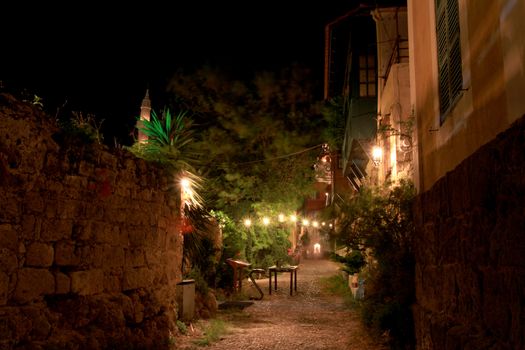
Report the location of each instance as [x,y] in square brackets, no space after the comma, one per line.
[186,299]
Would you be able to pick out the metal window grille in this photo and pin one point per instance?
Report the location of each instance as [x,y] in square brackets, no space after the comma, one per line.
[449,54]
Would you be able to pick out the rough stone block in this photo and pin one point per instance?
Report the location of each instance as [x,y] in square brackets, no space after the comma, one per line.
[55,230]
[33,202]
[458,182]
[28,227]
[102,232]
[33,283]
[112,282]
[482,186]
[39,255]
[87,256]
[134,257]
[107,159]
[69,209]
[86,168]
[87,282]
[8,261]
[54,187]
[114,256]
[137,236]
[82,230]
[98,254]
[137,278]
[51,209]
[76,182]
[4,288]
[66,254]
[123,192]
[145,195]
[153,256]
[52,163]
[8,237]
[40,326]
[62,283]
[94,210]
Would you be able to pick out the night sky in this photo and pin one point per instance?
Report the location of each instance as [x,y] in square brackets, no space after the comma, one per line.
[101,60]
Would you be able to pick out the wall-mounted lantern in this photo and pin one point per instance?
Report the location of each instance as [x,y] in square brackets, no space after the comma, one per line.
[377,155]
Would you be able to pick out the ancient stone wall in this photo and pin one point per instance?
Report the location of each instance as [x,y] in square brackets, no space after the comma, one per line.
[90,249]
[470,251]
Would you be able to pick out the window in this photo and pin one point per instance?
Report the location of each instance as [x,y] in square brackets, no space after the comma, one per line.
[449,54]
[367,75]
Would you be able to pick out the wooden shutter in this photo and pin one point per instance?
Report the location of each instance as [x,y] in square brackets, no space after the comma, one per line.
[449,54]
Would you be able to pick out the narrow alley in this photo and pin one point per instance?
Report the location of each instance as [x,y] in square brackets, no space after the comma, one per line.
[311,319]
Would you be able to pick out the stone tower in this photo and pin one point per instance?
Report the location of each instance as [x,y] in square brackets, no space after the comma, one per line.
[145,114]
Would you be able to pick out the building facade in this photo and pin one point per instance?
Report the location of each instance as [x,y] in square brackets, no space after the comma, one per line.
[395,119]
[467,77]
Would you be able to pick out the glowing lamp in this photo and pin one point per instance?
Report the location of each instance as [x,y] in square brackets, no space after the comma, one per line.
[377,155]
[185,183]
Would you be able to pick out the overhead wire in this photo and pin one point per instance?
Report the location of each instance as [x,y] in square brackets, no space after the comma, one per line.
[283,156]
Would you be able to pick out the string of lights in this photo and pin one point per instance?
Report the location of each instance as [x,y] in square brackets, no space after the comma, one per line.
[292,219]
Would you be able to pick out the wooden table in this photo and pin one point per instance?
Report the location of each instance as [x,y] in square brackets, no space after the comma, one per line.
[273,270]
[238,267]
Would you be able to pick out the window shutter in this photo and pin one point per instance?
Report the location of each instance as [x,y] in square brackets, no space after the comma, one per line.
[449,54]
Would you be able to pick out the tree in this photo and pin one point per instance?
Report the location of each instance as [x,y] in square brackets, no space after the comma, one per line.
[258,138]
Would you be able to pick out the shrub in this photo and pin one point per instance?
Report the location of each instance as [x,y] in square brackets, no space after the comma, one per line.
[353,261]
[381,223]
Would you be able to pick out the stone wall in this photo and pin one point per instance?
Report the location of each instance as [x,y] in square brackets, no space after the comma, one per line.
[470,251]
[90,249]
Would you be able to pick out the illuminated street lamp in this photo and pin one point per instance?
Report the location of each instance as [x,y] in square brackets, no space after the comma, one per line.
[266,221]
[377,155]
[306,222]
[293,218]
[281,218]
[247,222]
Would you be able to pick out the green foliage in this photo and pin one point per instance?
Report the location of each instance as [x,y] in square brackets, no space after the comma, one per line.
[353,261]
[234,241]
[269,246]
[199,253]
[169,141]
[380,222]
[81,126]
[334,130]
[247,131]
[212,332]
[260,245]
[337,285]
[200,283]
[182,327]
[256,143]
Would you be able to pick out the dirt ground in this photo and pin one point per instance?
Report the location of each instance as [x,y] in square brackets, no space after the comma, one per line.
[310,319]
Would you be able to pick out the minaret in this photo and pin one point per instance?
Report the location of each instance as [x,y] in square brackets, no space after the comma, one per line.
[145,114]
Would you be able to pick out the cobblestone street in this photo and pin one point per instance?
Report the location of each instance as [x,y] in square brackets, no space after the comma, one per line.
[310,319]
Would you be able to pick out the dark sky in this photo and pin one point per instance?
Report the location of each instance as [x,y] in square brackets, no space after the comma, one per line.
[102,59]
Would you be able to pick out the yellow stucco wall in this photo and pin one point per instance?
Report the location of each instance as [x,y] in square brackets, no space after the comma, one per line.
[493,55]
